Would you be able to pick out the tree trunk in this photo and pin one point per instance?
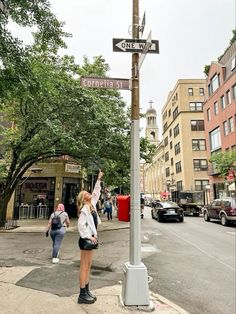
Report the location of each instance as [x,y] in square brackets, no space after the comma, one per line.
[5,198]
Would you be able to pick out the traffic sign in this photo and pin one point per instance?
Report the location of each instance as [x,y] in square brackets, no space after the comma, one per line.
[134,45]
[105,82]
[145,50]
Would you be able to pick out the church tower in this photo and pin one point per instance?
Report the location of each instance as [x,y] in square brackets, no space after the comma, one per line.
[151,131]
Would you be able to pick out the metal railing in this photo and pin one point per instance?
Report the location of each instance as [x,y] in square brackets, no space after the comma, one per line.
[8,224]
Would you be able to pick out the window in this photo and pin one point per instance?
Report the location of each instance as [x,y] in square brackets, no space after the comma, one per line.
[177,148]
[198,144]
[195,106]
[169,112]
[234,92]
[170,132]
[179,185]
[171,161]
[167,156]
[178,167]
[215,141]
[190,92]
[231,125]
[216,108]
[200,164]
[200,184]
[214,84]
[175,113]
[222,101]
[197,125]
[201,91]
[176,130]
[167,172]
[225,128]
[165,127]
[166,141]
[228,97]
[208,114]
[171,145]
[233,64]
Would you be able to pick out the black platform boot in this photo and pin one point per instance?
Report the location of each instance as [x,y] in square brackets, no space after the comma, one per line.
[89,293]
[84,297]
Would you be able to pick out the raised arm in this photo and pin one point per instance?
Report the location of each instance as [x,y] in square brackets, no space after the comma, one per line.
[97,188]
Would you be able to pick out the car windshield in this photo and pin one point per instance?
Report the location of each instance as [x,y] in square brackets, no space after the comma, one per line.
[169,204]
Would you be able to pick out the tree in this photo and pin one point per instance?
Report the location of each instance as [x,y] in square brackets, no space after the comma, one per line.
[62,118]
[14,68]
[224,163]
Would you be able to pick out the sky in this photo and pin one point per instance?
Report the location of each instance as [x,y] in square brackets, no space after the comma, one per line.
[191,34]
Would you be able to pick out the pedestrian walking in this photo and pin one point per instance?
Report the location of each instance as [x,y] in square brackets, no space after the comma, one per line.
[88,221]
[108,208]
[57,224]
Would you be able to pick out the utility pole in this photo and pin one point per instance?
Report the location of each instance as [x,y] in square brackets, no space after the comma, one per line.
[135,289]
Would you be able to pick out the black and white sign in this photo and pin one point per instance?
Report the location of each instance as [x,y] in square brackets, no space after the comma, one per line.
[134,45]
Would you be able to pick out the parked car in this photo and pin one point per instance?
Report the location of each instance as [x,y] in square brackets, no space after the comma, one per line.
[167,210]
[223,209]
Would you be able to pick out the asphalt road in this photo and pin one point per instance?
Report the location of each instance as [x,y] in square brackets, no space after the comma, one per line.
[194,265]
[191,263]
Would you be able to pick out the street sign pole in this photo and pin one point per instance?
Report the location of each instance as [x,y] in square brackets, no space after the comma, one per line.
[135,289]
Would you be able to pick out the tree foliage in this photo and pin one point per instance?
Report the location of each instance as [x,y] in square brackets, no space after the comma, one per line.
[224,162]
[13,53]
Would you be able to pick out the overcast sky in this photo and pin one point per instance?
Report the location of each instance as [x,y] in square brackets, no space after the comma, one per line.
[191,34]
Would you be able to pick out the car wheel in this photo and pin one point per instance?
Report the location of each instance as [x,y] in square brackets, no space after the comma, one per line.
[159,218]
[206,217]
[181,219]
[223,220]
[152,214]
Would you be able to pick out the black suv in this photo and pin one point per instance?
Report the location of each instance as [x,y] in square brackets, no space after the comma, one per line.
[223,209]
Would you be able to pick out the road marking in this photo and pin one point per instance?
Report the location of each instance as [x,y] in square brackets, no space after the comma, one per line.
[203,251]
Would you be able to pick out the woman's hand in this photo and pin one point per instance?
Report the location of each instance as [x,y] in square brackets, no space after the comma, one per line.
[100,174]
[94,240]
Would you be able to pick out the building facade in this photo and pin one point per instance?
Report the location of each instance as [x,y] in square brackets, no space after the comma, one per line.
[184,140]
[220,115]
[46,184]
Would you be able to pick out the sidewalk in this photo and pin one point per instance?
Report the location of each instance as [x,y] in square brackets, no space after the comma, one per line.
[17,299]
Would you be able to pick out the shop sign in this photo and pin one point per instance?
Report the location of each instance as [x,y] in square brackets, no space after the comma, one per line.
[36,186]
[72,168]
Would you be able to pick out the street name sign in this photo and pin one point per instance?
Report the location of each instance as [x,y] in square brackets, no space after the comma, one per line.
[134,45]
[105,82]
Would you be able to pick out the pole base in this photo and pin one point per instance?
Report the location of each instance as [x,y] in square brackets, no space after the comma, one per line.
[135,289]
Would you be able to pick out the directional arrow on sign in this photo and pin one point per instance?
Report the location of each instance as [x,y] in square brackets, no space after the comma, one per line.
[134,45]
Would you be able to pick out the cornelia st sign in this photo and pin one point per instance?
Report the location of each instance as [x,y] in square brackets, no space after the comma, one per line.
[104,82]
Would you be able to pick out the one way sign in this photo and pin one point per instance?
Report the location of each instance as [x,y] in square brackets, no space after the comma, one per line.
[134,45]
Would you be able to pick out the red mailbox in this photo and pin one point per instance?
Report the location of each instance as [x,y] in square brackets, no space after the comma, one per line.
[123,207]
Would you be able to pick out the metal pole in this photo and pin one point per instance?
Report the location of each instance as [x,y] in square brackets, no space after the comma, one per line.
[135,272]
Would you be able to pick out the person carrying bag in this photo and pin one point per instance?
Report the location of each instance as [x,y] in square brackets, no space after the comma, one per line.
[88,221]
[57,224]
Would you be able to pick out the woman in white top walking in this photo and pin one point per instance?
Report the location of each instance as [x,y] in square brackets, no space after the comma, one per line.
[87,227]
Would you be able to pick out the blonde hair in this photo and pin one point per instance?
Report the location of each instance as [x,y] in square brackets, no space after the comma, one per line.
[80,201]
